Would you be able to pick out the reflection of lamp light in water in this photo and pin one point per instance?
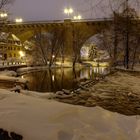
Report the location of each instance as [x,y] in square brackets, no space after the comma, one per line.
[53,78]
[95,70]
[84,74]
[53,56]
[102,70]
[22,77]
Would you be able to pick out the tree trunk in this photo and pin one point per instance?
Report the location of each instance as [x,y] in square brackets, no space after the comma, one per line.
[134,56]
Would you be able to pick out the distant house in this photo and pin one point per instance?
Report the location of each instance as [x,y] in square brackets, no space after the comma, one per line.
[10,47]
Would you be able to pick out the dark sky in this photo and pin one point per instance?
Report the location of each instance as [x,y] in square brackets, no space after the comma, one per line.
[51,9]
[33,10]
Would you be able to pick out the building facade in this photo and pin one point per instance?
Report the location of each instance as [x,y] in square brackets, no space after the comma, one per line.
[11,48]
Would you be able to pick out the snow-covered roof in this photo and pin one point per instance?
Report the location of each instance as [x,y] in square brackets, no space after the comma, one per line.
[13,37]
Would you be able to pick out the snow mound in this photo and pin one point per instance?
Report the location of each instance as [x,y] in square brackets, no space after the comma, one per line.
[37,119]
[8,73]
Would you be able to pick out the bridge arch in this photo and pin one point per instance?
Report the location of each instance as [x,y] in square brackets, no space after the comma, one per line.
[93,50]
[78,31]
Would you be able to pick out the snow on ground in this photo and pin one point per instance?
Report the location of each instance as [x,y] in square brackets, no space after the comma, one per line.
[38,119]
[44,95]
[8,73]
[135,69]
[11,76]
[118,92]
[130,81]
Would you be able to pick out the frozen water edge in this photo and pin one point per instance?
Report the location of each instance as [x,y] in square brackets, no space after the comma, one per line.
[10,76]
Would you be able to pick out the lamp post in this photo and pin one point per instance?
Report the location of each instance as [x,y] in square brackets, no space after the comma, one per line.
[68,11]
[18,20]
[77,17]
[3,16]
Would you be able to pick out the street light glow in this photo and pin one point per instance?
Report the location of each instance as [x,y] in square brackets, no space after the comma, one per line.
[19,20]
[77,17]
[3,15]
[68,11]
[21,53]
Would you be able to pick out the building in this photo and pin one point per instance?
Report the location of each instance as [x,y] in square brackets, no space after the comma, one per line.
[11,48]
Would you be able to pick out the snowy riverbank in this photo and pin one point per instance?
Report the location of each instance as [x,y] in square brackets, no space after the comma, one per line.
[118,92]
[37,119]
[10,76]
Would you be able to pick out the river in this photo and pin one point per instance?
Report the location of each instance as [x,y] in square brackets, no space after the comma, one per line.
[52,80]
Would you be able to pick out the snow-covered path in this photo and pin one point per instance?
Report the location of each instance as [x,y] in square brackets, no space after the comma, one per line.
[39,119]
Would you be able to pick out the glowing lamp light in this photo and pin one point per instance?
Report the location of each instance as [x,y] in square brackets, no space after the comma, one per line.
[53,56]
[53,78]
[3,15]
[77,17]
[21,53]
[68,11]
[18,20]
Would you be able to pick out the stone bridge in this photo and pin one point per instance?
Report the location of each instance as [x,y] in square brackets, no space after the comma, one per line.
[85,29]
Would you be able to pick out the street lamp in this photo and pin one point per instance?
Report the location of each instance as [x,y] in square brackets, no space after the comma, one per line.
[77,17]
[3,15]
[21,53]
[68,11]
[18,20]
[53,56]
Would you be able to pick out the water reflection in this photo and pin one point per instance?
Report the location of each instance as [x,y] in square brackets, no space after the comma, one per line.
[61,78]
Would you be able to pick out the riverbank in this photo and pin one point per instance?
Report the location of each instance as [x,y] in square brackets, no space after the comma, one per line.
[110,104]
[10,77]
[118,92]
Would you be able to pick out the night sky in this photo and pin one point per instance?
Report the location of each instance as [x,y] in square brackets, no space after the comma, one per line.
[34,10]
[52,9]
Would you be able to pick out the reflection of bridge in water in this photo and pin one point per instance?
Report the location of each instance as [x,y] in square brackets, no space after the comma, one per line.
[85,28]
[61,78]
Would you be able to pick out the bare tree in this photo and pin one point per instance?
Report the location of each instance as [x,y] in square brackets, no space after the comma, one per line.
[80,36]
[121,39]
[49,46]
[4,3]
[56,45]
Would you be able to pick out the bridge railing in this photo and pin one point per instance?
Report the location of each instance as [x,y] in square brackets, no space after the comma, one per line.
[92,20]
[11,63]
[36,22]
[60,21]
